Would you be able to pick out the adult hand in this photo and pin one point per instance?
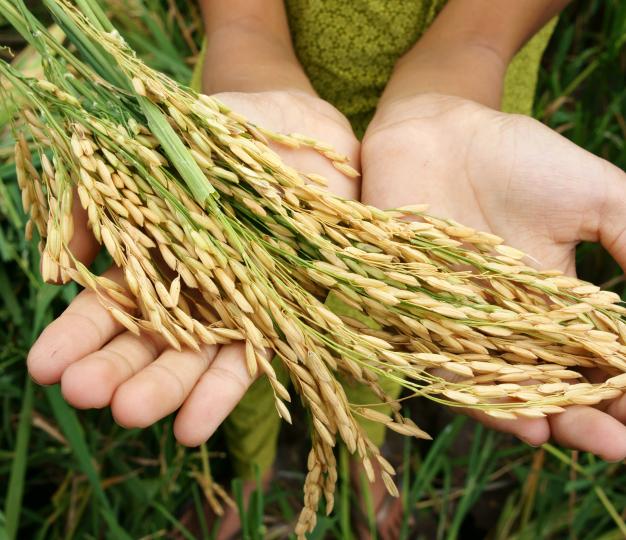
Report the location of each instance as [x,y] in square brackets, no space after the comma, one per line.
[100,364]
[513,176]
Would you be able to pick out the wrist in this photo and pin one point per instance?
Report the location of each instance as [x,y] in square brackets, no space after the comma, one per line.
[470,70]
[466,50]
[243,56]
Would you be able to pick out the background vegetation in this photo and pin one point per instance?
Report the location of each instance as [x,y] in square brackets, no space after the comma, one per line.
[67,474]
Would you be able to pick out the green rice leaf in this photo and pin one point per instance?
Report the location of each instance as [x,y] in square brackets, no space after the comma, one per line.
[178,154]
[68,421]
[93,53]
[92,10]
[19,465]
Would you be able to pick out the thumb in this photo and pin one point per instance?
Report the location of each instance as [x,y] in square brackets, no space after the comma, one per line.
[611,222]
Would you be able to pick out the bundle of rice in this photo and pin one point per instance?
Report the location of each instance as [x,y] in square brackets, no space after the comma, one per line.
[220,240]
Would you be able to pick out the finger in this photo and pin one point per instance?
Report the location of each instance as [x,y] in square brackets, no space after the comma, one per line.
[617,409]
[214,397]
[161,387]
[92,381]
[83,244]
[533,431]
[590,430]
[610,222]
[84,327]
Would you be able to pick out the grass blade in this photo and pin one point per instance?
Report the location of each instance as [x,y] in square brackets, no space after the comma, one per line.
[344,494]
[600,493]
[177,524]
[19,465]
[69,424]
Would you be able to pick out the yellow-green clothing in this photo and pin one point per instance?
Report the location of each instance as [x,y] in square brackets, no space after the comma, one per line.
[348,50]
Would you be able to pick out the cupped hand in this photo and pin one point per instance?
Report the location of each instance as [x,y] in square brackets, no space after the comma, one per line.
[510,175]
[100,364]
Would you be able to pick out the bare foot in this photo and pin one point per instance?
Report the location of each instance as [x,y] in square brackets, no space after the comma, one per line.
[387,510]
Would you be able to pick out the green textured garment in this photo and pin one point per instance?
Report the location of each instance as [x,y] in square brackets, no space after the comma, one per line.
[349,49]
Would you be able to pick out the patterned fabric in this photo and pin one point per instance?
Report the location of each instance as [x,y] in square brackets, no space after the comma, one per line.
[348,50]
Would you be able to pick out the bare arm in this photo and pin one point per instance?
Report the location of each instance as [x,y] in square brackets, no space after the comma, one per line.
[249,47]
[467,49]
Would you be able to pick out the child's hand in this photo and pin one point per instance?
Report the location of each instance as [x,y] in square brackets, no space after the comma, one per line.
[100,364]
[515,177]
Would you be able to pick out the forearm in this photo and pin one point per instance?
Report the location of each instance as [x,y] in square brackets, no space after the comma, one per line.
[467,49]
[249,48]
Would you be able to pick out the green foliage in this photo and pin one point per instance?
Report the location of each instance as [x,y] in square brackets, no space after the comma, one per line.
[75,474]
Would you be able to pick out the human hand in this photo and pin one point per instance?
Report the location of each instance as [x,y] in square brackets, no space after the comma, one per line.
[513,176]
[100,364]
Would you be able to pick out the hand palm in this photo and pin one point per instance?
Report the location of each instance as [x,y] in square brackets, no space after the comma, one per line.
[510,175]
[507,174]
[99,363]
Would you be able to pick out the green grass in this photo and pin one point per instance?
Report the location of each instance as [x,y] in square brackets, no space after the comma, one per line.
[68,474]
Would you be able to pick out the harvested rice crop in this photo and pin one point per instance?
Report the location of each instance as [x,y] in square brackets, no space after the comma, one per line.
[220,240]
